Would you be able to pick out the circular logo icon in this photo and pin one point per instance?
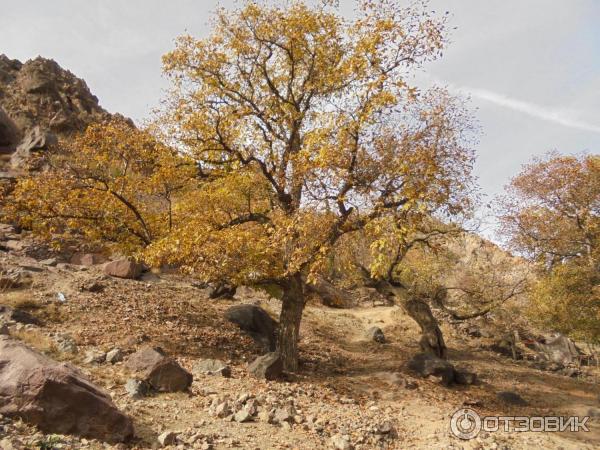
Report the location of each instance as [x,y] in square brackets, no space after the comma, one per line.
[465,424]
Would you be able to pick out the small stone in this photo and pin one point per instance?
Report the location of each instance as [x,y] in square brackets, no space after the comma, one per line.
[341,442]
[376,334]
[136,388]
[48,262]
[212,367]
[94,357]
[114,356]
[167,438]
[242,416]
[222,410]
[265,416]
[285,414]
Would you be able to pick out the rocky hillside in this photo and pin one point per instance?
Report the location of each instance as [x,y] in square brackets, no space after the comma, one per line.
[41,93]
[40,103]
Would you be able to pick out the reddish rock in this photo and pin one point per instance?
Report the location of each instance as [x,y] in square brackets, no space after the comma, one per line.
[164,374]
[87,259]
[123,268]
[56,397]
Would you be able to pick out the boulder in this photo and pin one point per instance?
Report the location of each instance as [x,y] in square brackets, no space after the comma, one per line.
[162,373]
[87,259]
[221,290]
[56,397]
[558,349]
[426,364]
[123,268]
[114,356]
[376,335]
[136,388]
[256,322]
[212,367]
[10,314]
[267,367]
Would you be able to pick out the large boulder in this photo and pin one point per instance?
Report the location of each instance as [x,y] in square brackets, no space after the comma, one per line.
[56,397]
[558,349]
[87,259]
[256,322]
[123,268]
[162,373]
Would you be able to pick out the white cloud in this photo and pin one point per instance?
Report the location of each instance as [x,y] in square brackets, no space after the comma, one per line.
[560,116]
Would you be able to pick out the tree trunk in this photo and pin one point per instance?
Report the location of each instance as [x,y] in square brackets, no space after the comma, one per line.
[289,322]
[432,340]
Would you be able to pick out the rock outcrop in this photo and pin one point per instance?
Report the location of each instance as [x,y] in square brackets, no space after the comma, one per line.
[56,397]
[41,93]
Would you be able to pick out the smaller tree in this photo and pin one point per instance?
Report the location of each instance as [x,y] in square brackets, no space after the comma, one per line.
[112,185]
[551,214]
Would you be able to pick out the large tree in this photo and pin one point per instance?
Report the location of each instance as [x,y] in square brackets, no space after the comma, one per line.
[310,119]
[551,214]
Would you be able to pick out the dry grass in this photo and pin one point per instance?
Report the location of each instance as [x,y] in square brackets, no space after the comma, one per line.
[37,340]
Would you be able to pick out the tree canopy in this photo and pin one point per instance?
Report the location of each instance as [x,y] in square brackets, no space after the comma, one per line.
[309,117]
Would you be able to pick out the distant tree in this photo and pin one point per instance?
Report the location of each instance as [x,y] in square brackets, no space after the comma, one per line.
[551,214]
[311,116]
[551,210]
[112,185]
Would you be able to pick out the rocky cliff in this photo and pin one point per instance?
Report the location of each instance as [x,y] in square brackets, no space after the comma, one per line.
[40,103]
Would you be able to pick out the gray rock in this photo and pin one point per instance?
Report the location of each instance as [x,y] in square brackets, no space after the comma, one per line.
[267,367]
[212,367]
[341,442]
[223,410]
[558,349]
[10,314]
[114,356]
[465,378]
[376,334]
[66,344]
[425,364]
[94,357]
[285,414]
[243,415]
[136,388]
[256,322]
[49,262]
[167,438]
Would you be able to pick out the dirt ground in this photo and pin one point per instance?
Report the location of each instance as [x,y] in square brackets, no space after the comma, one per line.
[348,385]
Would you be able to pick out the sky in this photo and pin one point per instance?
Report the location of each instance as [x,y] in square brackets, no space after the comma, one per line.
[530,68]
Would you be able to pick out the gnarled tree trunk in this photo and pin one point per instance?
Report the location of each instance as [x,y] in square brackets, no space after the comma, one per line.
[432,340]
[289,322]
